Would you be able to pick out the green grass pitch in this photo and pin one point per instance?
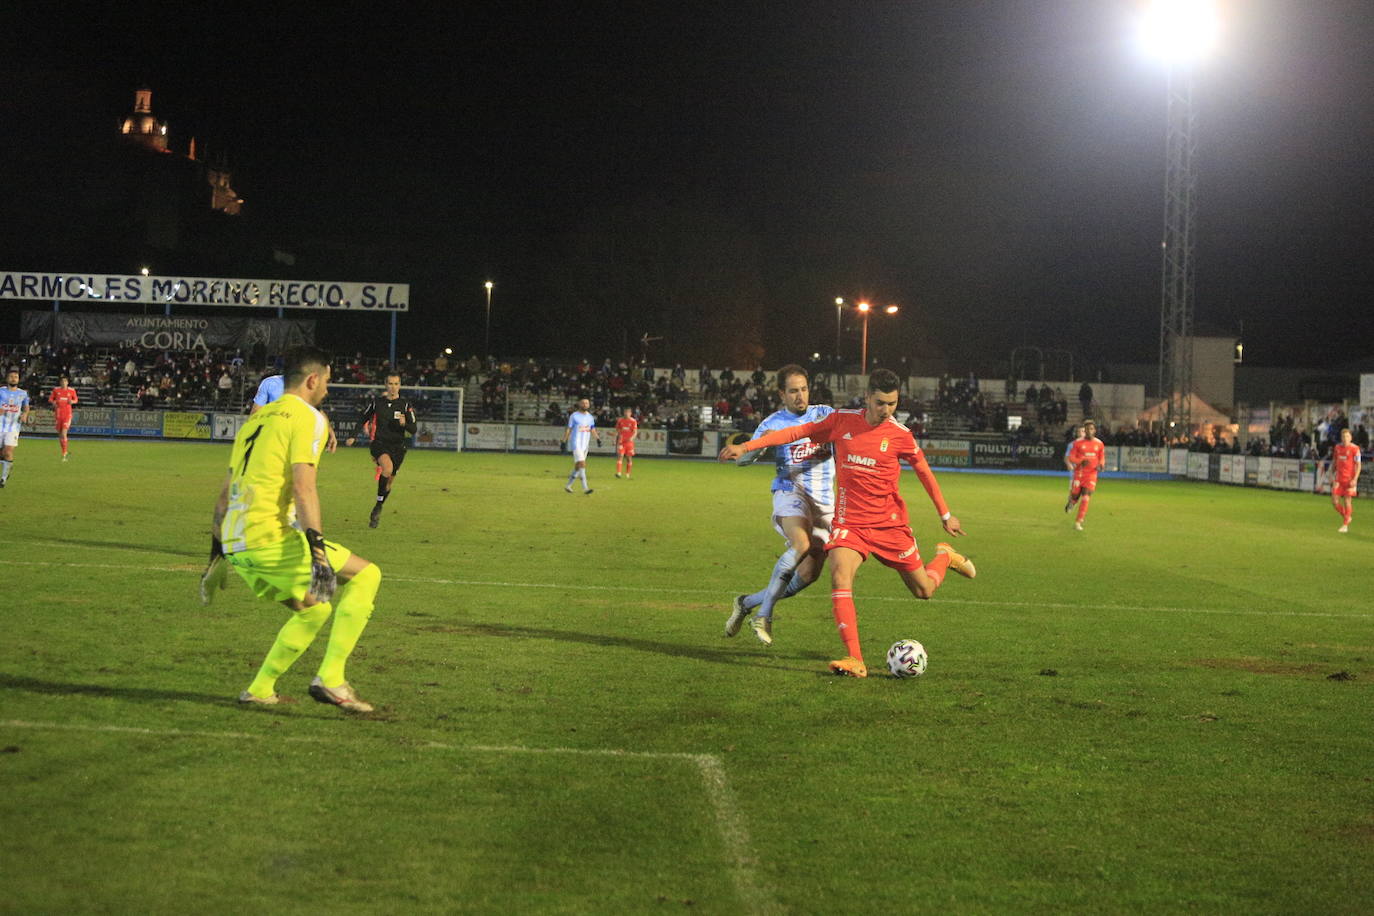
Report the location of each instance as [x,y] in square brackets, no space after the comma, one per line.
[1171,710]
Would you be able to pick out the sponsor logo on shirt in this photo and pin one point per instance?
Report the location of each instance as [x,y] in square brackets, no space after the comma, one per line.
[863,460]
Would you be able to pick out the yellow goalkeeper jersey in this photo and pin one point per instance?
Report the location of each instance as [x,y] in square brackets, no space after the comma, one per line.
[262,507]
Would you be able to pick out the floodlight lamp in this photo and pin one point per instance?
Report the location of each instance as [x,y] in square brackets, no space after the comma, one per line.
[862,306]
[489,285]
[891,309]
[1179,31]
[839,300]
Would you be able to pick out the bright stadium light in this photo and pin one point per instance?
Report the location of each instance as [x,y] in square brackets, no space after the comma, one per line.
[1179,32]
[488,285]
[839,307]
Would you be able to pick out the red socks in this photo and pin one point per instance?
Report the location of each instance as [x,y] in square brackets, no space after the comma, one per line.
[847,621]
[937,568]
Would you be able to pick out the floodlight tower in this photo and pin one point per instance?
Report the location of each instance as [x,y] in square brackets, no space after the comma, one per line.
[1179,32]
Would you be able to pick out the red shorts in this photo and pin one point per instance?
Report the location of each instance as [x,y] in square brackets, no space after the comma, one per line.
[62,422]
[1344,488]
[895,547]
[1085,480]
[625,448]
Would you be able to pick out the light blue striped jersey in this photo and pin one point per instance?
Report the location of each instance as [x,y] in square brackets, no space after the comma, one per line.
[270,389]
[13,403]
[804,463]
[581,424]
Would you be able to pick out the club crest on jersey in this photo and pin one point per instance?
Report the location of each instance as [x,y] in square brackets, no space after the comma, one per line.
[883,447]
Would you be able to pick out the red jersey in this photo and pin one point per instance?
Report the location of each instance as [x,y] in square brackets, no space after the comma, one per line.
[625,429]
[62,400]
[867,466]
[1088,455]
[1345,462]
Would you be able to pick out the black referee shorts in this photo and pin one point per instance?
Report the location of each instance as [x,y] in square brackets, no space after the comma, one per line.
[397,453]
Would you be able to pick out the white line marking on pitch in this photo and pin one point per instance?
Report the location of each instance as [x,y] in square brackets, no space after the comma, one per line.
[645,589]
[729,821]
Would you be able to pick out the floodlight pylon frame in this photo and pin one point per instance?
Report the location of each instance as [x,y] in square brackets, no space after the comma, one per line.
[1176,299]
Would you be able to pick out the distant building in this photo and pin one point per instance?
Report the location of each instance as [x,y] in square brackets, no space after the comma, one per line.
[142,128]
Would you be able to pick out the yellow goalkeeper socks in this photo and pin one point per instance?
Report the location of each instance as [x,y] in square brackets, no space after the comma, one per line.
[353,609]
[293,639]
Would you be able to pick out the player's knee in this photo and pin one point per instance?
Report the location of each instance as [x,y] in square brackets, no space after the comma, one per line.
[367,579]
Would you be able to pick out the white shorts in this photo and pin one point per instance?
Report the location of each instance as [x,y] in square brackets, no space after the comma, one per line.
[799,504]
[579,454]
[9,438]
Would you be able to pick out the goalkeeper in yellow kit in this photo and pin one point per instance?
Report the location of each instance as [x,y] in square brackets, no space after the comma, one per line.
[268,527]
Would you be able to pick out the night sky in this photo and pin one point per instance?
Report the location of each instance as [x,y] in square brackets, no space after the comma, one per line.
[716,173]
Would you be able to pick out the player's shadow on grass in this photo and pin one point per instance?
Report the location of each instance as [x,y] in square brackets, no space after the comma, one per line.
[123,545]
[140,694]
[723,656]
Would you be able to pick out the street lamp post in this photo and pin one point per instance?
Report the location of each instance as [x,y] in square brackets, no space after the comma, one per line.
[864,309]
[487,349]
[839,306]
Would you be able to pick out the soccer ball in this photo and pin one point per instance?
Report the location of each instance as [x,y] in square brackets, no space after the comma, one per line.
[907,658]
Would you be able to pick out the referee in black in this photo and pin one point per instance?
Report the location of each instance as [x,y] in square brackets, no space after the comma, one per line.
[393,422]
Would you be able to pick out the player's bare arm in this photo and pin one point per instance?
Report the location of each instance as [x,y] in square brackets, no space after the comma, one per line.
[308,515]
[221,505]
[749,457]
[214,579]
[776,437]
[932,487]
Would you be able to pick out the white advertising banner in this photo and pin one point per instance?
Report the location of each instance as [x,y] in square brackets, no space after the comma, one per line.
[487,436]
[649,442]
[1142,460]
[436,434]
[1197,465]
[335,295]
[1366,389]
[1178,462]
[539,438]
[226,425]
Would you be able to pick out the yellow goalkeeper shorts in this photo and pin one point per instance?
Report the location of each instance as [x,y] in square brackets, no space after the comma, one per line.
[280,572]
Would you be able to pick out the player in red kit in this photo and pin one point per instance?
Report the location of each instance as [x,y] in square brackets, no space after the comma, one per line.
[625,429]
[62,398]
[1344,468]
[870,516]
[1086,457]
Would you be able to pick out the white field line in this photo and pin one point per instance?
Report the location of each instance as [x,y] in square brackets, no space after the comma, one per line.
[729,822]
[716,593]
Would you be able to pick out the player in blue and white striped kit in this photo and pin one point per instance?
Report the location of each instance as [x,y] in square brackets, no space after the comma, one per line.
[803,505]
[14,413]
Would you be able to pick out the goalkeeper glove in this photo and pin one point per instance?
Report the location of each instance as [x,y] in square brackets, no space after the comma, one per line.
[322,580]
[213,579]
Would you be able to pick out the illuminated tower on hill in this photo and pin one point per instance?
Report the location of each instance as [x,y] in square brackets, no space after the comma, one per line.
[141,127]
